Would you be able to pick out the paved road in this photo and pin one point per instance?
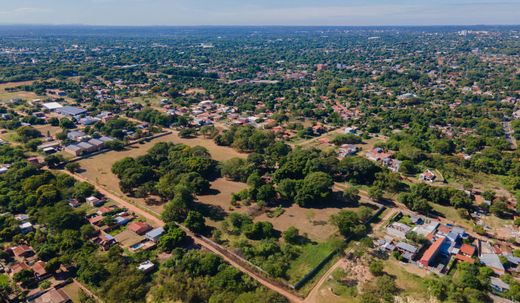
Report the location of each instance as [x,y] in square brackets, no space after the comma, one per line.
[153,218]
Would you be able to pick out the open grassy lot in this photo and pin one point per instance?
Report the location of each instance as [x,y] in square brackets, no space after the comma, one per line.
[52,130]
[98,169]
[312,255]
[6,96]
[221,191]
[409,279]
[73,290]
[127,238]
[313,222]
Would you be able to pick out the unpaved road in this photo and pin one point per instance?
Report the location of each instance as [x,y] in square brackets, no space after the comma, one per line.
[153,218]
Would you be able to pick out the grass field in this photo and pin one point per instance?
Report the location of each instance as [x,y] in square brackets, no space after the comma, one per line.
[72,290]
[409,279]
[312,255]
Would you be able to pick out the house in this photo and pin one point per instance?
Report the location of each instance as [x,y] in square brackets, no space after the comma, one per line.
[139,228]
[71,111]
[498,285]
[53,296]
[492,261]
[120,220]
[105,139]
[398,230]
[94,201]
[26,227]
[429,255]
[76,135]
[104,240]
[427,176]
[407,251]
[22,251]
[146,266]
[88,148]
[97,144]
[73,150]
[52,106]
[154,234]
[53,144]
[39,270]
[467,250]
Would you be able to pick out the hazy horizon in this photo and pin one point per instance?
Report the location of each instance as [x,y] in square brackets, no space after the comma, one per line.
[267,13]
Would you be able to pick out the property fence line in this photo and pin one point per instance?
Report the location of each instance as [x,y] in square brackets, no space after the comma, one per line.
[313,272]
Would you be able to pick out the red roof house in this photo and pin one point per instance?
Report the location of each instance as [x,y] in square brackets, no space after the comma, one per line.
[432,251]
[139,228]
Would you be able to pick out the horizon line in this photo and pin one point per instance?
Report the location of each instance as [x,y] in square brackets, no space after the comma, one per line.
[255,25]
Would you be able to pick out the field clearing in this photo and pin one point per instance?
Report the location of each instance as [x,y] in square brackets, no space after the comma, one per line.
[219,153]
[53,130]
[72,290]
[98,169]
[313,222]
[312,255]
[451,214]
[410,279]
[128,238]
[224,189]
[6,96]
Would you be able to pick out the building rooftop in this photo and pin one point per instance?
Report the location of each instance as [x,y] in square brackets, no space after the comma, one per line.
[71,110]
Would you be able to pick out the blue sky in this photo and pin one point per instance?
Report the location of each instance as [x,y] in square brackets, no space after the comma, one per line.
[260,12]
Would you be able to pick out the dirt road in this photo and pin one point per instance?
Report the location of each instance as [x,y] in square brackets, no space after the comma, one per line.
[315,292]
[153,217]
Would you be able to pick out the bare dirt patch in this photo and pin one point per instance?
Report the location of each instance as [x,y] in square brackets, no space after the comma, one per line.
[313,222]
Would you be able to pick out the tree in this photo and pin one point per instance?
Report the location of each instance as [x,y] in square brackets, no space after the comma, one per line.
[25,276]
[259,230]
[177,209]
[116,145]
[499,208]
[236,169]
[348,224]
[291,235]
[351,195]
[316,186]
[195,221]
[72,167]
[26,133]
[173,238]
[376,194]
[376,267]
[54,160]
[266,193]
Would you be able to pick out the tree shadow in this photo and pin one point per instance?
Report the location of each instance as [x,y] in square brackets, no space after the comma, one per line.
[213,212]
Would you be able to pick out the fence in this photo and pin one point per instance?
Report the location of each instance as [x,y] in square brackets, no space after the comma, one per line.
[326,260]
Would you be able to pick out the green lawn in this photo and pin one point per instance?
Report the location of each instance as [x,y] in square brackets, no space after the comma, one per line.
[312,255]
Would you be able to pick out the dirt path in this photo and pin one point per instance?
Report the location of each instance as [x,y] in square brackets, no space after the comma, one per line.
[153,217]
[314,294]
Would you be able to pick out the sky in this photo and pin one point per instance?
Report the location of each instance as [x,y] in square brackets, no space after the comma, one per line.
[260,12]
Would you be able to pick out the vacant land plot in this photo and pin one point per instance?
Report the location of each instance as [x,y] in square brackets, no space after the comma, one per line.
[222,189]
[72,290]
[219,153]
[48,129]
[312,255]
[128,238]
[410,279]
[313,222]
[98,169]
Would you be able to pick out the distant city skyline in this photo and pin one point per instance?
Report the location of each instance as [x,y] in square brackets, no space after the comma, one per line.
[264,12]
